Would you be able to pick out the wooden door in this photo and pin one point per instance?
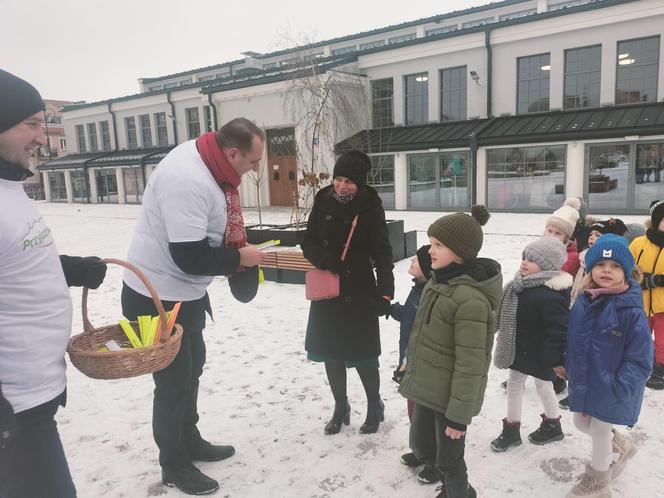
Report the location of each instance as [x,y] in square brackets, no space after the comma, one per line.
[282,166]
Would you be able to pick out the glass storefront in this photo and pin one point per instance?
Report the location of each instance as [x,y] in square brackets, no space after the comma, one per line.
[56,181]
[107,186]
[526,178]
[438,180]
[134,185]
[79,183]
[381,177]
[624,177]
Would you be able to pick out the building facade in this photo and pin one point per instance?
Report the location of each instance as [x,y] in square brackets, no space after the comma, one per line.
[517,104]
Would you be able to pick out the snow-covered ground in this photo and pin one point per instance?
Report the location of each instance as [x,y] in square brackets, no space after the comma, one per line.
[259,393]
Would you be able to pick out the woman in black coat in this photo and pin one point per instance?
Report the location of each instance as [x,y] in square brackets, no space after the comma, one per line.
[343,332]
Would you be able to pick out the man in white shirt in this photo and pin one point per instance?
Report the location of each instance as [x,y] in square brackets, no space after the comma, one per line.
[191,229]
[35,311]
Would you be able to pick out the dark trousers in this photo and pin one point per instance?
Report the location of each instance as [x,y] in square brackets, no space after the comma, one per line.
[33,464]
[175,404]
[430,444]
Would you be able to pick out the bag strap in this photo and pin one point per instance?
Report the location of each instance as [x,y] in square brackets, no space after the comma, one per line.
[350,236]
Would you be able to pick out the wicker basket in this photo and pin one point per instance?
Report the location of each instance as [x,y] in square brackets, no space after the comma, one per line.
[84,348]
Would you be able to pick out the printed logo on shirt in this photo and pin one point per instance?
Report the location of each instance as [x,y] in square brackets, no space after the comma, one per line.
[37,235]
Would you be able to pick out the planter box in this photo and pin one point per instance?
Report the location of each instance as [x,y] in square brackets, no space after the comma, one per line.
[289,235]
[601,183]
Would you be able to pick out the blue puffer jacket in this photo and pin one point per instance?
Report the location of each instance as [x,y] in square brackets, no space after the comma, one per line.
[609,356]
[405,315]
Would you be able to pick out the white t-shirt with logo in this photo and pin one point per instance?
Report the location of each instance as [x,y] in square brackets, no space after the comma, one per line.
[35,304]
[181,203]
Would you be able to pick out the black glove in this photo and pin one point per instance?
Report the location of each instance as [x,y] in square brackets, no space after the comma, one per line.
[8,423]
[650,281]
[83,272]
[397,375]
[383,306]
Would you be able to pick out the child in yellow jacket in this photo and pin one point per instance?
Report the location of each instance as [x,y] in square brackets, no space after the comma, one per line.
[648,252]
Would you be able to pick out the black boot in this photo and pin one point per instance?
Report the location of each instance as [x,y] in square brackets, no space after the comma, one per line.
[188,479]
[204,451]
[456,487]
[511,436]
[375,415]
[548,432]
[564,403]
[341,414]
[656,380]
[410,460]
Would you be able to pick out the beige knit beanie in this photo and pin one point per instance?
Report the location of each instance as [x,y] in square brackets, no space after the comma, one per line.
[565,217]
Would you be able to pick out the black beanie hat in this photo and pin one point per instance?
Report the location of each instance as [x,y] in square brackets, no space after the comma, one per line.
[424,259]
[18,100]
[461,233]
[656,213]
[354,165]
[612,225]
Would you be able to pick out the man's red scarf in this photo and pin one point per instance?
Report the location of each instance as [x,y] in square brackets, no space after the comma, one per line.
[228,180]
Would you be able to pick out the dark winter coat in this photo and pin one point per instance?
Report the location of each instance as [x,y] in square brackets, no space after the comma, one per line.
[609,356]
[541,327]
[346,328]
[449,350]
[405,315]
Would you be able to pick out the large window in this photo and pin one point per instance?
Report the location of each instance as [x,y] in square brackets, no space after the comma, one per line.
[638,65]
[133,184]
[533,83]
[107,185]
[453,94]
[105,136]
[381,177]
[382,98]
[56,181]
[582,77]
[624,177]
[648,174]
[417,98]
[525,178]
[162,130]
[402,38]
[92,135]
[438,181]
[193,123]
[343,50]
[372,44]
[130,128]
[79,183]
[80,138]
[443,29]
[146,130]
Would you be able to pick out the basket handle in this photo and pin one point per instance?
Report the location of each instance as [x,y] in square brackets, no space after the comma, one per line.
[87,326]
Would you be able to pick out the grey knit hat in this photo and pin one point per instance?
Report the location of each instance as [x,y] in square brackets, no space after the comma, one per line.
[460,232]
[547,252]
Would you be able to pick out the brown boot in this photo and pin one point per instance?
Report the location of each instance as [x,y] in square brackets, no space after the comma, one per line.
[592,484]
[625,449]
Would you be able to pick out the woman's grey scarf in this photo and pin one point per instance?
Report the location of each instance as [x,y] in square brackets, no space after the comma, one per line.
[343,199]
[506,341]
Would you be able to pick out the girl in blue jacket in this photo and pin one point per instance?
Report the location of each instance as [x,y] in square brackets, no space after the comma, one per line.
[609,359]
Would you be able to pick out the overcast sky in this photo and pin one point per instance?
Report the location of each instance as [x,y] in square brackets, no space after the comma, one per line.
[93,49]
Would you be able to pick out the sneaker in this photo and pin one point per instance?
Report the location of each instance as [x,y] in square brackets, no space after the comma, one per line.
[511,436]
[410,460]
[559,385]
[548,432]
[429,475]
[655,382]
[625,450]
[564,403]
[188,479]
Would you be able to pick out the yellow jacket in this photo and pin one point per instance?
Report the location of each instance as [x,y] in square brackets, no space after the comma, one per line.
[650,259]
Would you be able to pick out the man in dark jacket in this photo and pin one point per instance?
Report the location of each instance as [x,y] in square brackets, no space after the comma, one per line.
[35,311]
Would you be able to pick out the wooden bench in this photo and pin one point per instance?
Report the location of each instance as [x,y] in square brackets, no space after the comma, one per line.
[286,267]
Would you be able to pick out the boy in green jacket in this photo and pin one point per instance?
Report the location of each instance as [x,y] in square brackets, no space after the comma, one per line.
[450,345]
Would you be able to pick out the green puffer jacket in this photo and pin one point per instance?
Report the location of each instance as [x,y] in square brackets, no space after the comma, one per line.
[450,345]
